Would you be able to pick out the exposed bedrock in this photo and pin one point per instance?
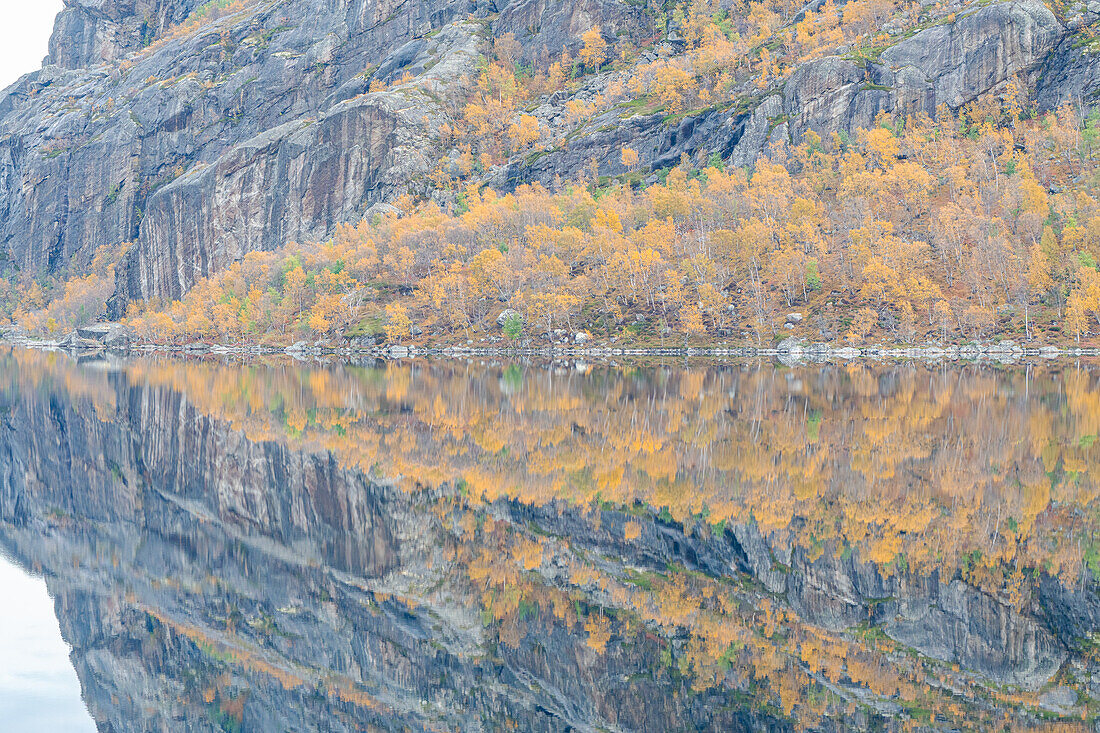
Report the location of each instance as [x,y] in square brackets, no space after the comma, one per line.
[260,128]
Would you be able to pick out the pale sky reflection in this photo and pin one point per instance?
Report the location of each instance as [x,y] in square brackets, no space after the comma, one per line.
[39,690]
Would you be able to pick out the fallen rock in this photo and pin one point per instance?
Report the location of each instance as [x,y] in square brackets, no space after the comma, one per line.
[790,345]
[116,335]
[506,315]
[1060,700]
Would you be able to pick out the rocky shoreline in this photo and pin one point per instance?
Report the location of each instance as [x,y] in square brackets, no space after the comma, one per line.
[118,338]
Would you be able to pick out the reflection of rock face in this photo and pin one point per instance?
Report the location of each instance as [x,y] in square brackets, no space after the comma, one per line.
[197,571]
[949,621]
[952,622]
[183,458]
[174,546]
[204,529]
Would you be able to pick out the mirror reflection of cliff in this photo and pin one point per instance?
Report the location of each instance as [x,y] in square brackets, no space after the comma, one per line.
[458,546]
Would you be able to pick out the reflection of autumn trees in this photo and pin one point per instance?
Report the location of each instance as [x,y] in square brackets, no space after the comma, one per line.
[900,464]
[985,472]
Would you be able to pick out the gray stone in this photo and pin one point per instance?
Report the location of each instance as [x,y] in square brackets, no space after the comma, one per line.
[13,332]
[506,315]
[1059,700]
[107,334]
[790,345]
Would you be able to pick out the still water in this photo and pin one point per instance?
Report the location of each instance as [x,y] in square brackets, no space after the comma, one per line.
[39,689]
[523,546]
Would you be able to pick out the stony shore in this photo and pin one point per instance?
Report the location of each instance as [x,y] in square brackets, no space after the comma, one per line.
[118,339]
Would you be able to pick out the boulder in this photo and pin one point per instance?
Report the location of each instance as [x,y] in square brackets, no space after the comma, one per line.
[13,332]
[506,315]
[114,335]
[790,345]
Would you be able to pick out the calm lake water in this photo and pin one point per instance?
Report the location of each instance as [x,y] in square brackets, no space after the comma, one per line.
[520,546]
[39,689]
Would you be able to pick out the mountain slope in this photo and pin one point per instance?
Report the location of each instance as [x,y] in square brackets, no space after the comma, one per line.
[202,132]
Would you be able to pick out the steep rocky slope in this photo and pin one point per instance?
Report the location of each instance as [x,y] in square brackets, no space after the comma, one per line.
[950,64]
[202,141]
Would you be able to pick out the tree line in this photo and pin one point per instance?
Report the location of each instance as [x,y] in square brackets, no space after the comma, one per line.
[971,225]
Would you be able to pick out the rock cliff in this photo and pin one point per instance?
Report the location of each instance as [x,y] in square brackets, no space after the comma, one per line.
[201,142]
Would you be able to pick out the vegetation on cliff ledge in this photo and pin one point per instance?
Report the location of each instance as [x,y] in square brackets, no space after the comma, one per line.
[983,222]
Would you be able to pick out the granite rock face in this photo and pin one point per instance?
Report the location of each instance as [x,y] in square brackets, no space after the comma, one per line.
[544,27]
[950,64]
[256,130]
[89,32]
[260,128]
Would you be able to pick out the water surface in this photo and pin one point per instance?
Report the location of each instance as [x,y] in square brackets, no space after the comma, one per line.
[490,546]
[38,686]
